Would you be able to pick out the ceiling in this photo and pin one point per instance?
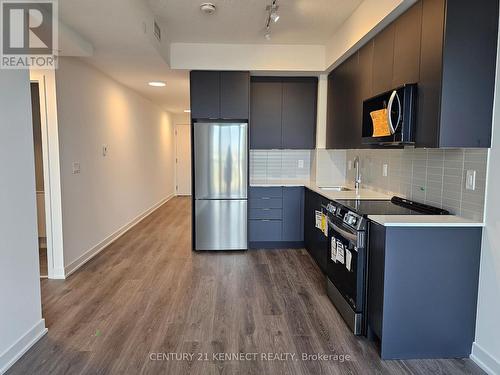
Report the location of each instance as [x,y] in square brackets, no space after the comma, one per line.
[123,51]
[243,21]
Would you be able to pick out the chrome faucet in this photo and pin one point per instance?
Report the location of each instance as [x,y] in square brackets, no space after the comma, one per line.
[357,178]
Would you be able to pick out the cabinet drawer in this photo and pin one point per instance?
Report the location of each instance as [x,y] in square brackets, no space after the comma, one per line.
[266,213]
[264,230]
[265,203]
[266,192]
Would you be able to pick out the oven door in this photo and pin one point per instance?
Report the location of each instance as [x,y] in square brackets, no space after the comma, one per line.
[346,263]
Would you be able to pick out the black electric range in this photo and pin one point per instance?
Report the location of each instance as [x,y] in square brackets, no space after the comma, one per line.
[395,206]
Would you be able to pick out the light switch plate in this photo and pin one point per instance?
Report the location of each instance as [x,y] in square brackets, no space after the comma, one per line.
[75,167]
[385,170]
[104,150]
[349,165]
[470,180]
[300,164]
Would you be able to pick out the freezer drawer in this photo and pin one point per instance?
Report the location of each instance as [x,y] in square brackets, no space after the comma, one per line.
[221,225]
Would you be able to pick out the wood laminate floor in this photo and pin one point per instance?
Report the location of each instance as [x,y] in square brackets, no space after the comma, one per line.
[148,295]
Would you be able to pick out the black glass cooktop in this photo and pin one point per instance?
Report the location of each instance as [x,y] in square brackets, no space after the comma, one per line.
[396,206]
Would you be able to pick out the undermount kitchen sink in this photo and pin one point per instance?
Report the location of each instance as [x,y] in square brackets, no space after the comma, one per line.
[335,188]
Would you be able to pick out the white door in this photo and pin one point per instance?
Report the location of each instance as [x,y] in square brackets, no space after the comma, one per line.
[183,159]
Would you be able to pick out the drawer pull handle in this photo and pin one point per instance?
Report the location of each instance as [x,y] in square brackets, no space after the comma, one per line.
[266,209]
[265,198]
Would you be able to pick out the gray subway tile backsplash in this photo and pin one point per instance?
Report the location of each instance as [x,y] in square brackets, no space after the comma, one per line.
[431,176]
[269,165]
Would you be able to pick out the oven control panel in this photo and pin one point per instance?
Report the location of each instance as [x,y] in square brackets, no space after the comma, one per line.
[351,219]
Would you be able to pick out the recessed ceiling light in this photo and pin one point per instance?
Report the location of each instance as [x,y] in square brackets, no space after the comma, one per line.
[187,111]
[157,84]
[208,8]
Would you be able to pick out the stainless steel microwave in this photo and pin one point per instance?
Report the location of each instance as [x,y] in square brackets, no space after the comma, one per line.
[389,118]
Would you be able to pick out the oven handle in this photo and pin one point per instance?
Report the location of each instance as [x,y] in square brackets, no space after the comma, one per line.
[350,236]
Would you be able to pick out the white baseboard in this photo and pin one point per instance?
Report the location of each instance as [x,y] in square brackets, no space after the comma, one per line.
[485,360]
[21,346]
[89,254]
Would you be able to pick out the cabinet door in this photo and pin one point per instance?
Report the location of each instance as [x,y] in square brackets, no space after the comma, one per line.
[293,214]
[408,29]
[383,60]
[316,243]
[299,114]
[265,118]
[234,95]
[364,88]
[431,63]
[309,221]
[336,136]
[205,95]
[352,125]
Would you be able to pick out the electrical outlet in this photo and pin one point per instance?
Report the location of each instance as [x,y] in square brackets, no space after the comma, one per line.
[75,167]
[385,170]
[300,164]
[349,165]
[470,180]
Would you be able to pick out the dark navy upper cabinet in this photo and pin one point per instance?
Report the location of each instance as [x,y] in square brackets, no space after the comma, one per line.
[219,95]
[407,39]
[265,114]
[205,94]
[283,113]
[234,95]
[293,214]
[457,73]
[299,114]
[383,60]
[433,45]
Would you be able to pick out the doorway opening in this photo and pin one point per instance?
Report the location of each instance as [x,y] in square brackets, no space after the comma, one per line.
[47,174]
[183,160]
[39,179]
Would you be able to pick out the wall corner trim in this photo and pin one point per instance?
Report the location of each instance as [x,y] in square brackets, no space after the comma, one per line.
[92,252]
[21,346]
[485,360]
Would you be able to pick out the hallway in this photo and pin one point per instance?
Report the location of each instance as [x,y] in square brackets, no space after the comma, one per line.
[148,295]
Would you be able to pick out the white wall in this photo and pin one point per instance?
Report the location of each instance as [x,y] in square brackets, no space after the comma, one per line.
[253,57]
[486,348]
[112,191]
[21,320]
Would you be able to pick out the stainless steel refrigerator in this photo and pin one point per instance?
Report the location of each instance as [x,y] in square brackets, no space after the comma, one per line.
[220,191]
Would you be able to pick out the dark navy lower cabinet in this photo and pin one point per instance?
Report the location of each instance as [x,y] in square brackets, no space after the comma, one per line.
[315,241]
[422,290]
[276,217]
[293,214]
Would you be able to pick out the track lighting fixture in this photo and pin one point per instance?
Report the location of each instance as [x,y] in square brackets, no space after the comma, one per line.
[272,16]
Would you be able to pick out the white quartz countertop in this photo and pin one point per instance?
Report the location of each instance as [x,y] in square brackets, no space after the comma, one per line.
[424,221]
[329,194]
[385,220]
[270,183]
